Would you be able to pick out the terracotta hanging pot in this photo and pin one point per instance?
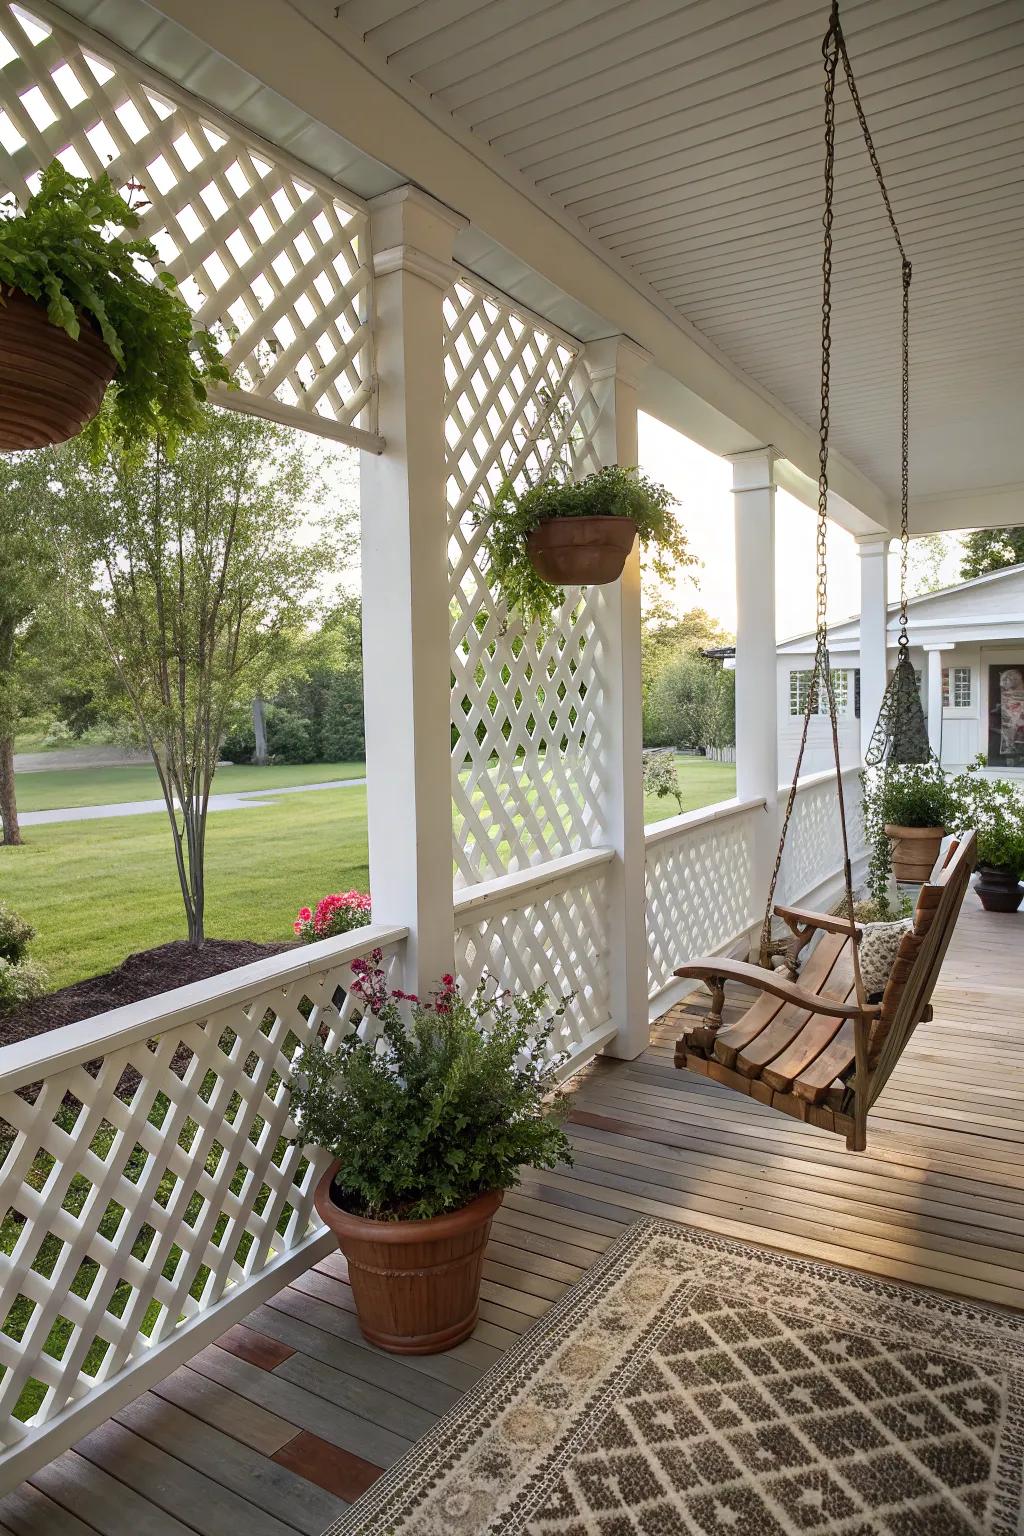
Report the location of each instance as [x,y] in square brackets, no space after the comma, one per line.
[581,551]
[416,1283]
[999,889]
[914,851]
[50,386]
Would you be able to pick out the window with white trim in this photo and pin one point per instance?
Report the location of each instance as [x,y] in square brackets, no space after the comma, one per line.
[800,686]
[956,687]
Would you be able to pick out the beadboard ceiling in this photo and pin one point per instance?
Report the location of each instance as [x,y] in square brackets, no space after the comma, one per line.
[685,135]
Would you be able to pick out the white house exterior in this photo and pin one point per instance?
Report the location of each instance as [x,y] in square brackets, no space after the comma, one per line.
[967,644]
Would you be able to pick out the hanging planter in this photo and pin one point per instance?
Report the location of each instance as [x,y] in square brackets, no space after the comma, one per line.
[563,533]
[50,386]
[78,312]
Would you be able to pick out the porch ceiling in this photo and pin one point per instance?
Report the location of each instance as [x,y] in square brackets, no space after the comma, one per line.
[684,135]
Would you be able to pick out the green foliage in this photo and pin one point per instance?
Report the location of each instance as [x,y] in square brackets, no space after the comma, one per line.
[343,736]
[900,795]
[450,1101]
[661,777]
[15,934]
[61,251]
[991,549]
[21,979]
[665,635]
[610,492]
[994,809]
[692,703]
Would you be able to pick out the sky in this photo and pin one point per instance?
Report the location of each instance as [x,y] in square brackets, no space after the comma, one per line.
[701,483]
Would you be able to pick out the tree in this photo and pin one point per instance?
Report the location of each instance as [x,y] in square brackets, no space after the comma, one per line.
[926,558]
[27,577]
[191,581]
[991,549]
[665,637]
[693,703]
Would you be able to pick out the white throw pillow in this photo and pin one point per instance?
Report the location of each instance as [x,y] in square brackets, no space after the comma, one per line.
[878,948]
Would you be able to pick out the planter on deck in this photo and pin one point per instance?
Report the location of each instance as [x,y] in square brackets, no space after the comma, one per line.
[914,851]
[999,889]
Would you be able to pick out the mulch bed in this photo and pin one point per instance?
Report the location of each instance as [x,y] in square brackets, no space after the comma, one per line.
[141,975]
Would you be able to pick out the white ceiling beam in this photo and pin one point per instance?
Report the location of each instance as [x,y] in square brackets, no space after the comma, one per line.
[340,83]
[999,506]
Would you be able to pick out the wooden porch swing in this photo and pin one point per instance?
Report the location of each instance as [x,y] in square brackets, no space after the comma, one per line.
[818,1048]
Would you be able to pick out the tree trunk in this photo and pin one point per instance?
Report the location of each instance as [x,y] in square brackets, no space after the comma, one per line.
[8,799]
[259,730]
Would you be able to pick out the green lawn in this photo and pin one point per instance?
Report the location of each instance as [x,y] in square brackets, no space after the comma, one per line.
[53,789]
[97,890]
[701,782]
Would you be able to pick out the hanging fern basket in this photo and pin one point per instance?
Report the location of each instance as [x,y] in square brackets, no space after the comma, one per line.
[581,551]
[50,386]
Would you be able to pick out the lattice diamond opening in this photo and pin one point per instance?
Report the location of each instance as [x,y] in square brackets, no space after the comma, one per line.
[269,256]
[139,1192]
[527,771]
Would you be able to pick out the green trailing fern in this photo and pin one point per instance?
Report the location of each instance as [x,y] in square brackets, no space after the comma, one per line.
[62,250]
[610,492]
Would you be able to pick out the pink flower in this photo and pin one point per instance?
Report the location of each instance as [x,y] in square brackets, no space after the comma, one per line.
[304,915]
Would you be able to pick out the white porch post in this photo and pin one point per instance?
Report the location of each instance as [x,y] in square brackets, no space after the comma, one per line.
[405,587]
[934,685]
[615,366]
[874,605]
[757,726]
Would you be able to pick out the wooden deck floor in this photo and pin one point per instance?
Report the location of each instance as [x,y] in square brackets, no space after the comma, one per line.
[270,1431]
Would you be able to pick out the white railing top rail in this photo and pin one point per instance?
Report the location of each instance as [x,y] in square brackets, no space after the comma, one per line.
[812,780]
[524,886]
[689,821]
[28,1060]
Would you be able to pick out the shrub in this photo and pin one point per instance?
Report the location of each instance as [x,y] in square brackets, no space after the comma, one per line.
[994,808]
[290,738]
[343,737]
[449,1102]
[20,983]
[15,934]
[901,795]
[661,777]
[335,914]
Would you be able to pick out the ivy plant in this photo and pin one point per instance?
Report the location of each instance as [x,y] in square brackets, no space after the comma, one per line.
[63,249]
[612,492]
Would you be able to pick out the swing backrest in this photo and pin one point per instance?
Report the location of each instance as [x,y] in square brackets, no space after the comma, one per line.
[919,960]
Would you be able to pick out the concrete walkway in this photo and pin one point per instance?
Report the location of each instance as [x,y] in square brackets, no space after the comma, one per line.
[78,757]
[241,800]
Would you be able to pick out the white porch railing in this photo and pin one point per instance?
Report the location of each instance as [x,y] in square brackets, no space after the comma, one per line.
[700,896]
[152,1197]
[545,926]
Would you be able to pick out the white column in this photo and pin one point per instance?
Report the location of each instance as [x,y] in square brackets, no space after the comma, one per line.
[934,685]
[757,726]
[615,366]
[874,613]
[405,587]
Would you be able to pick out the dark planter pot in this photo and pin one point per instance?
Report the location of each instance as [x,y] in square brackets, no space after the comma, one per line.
[50,386]
[999,889]
[914,851]
[416,1283]
[581,551]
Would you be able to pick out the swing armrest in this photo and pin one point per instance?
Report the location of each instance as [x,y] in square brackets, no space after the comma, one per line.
[827,922]
[710,969]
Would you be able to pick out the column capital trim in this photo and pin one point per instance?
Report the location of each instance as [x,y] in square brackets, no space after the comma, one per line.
[754,469]
[872,543]
[410,258]
[411,196]
[616,357]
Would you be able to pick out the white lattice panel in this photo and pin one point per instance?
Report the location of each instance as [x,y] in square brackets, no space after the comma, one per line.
[527,764]
[699,892]
[272,258]
[814,847]
[558,941]
[137,1195]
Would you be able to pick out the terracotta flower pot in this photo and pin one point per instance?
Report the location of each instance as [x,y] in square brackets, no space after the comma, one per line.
[999,889]
[416,1283]
[914,851]
[581,551]
[50,386]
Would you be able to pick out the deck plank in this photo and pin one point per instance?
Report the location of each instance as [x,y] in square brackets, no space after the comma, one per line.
[298,1413]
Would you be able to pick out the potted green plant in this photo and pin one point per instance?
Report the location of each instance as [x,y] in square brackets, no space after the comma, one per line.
[428,1123]
[562,532]
[906,811]
[995,809]
[78,312]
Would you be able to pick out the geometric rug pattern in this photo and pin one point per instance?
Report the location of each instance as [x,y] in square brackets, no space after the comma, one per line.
[689,1384]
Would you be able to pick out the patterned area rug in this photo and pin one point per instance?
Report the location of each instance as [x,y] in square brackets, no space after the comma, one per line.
[693,1385]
